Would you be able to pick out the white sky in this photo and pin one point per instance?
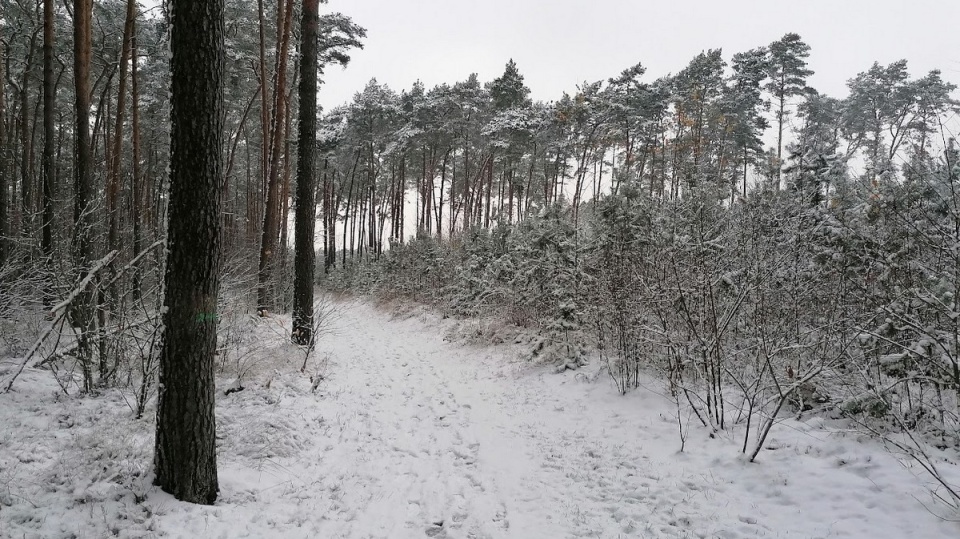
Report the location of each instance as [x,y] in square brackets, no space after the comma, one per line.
[559,44]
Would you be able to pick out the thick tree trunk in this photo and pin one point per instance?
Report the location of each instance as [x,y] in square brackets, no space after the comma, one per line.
[347,215]
[304,260]
[438,205]
[486,213]
[186,457]
[402,195]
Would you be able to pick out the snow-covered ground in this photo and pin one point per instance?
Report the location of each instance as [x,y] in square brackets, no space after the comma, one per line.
[410,435]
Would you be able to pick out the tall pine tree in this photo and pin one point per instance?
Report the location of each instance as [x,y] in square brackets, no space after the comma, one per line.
[186,455]
[787,70]
[304,259]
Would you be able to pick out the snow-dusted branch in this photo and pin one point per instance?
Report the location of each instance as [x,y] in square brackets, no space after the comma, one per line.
[96,268]
[133,262]
[59,312]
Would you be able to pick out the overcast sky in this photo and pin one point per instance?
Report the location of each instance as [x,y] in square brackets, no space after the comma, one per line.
[559,44]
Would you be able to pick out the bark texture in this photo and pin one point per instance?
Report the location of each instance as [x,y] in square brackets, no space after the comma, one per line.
[49,134]
[82,249]
[3,163]
[266,296]
[186,460]
[304,260]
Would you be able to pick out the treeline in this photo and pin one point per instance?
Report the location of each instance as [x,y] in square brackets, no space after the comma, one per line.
[422,161]
[456,157]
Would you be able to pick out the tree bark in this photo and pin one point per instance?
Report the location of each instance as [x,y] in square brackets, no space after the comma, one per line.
[186,458]
[329,220]
[285,185]
[271,218]
[113,183]
[26,139]
[304,261]
[4,149]
[82,249]
[254,212]
[49,135]
[782,98]
[136,191]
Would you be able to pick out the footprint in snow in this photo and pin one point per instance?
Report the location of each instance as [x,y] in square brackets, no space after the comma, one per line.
[435,530]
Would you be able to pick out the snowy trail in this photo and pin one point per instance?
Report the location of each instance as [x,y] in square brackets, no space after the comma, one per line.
[428,438]
[411,436]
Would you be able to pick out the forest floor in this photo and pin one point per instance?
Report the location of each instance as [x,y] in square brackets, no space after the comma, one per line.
[399,430]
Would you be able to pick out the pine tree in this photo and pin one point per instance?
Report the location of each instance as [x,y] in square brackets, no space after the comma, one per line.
[83,218]
[636,109]
[186,457]
[698,89]
[508,90]
[3,162]
[813,164]
[743,105]
[787,70]
[49,131]
[305,253]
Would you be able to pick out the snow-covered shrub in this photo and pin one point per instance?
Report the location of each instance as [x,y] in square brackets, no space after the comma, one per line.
[625,285]
[544,279]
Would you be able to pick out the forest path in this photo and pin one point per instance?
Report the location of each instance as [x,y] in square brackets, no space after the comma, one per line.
[433,438]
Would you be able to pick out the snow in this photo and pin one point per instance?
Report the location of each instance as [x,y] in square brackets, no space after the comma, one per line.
[396,432]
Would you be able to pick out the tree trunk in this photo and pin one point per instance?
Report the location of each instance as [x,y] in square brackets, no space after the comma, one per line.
[304,260]
[83,184]
[49,136]
[285,193]
[783,101]
[4,148]
[113,183]
[438,205]
[346,215]
[26,139]
[230,221]
[253,213]
[486,213]
[136,191]
[329,220]
[186,457]
[271,217]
